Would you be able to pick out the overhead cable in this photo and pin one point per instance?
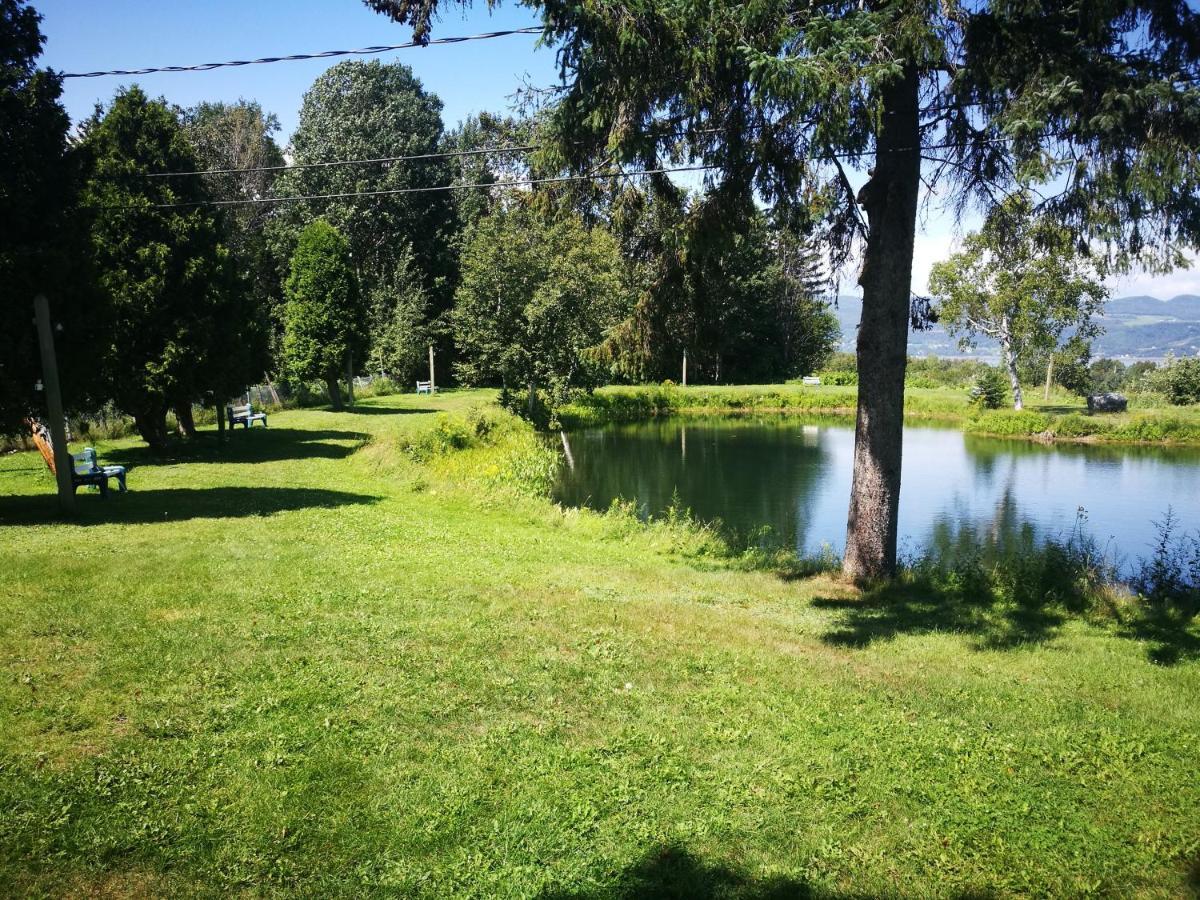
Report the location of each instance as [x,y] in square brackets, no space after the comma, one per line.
[325,54]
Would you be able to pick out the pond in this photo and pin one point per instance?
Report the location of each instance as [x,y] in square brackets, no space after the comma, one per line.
[793,475]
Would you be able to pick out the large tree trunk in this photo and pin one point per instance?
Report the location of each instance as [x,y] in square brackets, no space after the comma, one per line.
[350,378]
[151,422]
[220,408]
[335,393]
[890,201]
[184,418]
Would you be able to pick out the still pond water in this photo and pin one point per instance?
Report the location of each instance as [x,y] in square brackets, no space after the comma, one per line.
[793,475]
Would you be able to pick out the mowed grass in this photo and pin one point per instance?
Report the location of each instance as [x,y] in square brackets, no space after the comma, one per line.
[286,667]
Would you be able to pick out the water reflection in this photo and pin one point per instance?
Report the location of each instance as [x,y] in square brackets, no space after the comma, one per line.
[793,475]
[747,473]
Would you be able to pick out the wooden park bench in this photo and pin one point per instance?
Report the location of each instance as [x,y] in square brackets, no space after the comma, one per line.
[86,469]
[811,380]
[244,415]
[426,387]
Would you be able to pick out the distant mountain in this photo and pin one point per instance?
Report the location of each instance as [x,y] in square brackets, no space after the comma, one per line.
[1139,327]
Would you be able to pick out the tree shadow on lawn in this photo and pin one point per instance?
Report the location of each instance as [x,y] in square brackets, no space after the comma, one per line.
[675,872]
[1171,639]
[251,445]
[916,606]
[173,505]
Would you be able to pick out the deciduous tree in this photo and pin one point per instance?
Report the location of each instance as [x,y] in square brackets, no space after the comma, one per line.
[537,294]
[371,110]
[1020,282]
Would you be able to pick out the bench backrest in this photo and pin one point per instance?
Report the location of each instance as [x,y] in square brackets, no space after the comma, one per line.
[239,411]
[85,462]
[423,384]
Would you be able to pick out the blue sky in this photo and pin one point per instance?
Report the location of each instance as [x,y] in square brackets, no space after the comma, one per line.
[471,77]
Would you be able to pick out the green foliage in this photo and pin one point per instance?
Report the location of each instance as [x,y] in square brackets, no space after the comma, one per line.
[1169,581]
[537,294]
[240,136]
[1178,380]
[988,389]
[42,233]
[741,295]
[183,325]
[1106,375]
[932,372]
[324,317]
[1021,282]
[402,244]
[484,445]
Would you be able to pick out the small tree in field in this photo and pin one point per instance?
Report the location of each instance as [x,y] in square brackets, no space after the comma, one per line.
[324,319]
[1020,282]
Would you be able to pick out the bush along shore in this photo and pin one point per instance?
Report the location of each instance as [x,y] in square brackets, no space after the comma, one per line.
[1063,419]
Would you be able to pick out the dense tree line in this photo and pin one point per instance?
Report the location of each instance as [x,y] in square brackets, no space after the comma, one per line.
[169,300]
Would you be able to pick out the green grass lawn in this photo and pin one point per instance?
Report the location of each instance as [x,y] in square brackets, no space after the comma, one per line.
[286,666]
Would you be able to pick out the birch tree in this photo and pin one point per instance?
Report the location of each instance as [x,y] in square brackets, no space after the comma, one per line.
[1020,282]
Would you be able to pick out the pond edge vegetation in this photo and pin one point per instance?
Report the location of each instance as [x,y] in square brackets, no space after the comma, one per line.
[1003,590]
[1059,423]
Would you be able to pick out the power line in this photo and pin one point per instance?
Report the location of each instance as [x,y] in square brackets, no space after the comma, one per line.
[520,148]
[515,148]
[425,190]
[326,54]
[510,183]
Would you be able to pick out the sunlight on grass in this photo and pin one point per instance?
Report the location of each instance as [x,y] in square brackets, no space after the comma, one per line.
[315,661]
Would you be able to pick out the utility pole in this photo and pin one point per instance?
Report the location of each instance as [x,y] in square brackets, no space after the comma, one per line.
[58,432]
[1049,378]
[685,367]
[432,381]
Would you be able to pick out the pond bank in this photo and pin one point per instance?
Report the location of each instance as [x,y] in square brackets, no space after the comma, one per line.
[1062,422]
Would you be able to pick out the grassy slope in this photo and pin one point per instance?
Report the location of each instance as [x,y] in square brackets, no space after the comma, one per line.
[1063,418]
[282,669]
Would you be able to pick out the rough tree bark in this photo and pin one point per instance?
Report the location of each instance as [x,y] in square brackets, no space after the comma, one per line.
[151,422]
[890,200]
[184,418]
[335,393]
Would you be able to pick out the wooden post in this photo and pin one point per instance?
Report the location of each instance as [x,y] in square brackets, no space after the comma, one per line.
[1049,377]
[63,468]
[432,380]
[685,368]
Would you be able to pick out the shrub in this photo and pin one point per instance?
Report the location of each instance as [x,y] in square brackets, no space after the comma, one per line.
[1169,581]
[838,378]
[989,391]
[1179,380]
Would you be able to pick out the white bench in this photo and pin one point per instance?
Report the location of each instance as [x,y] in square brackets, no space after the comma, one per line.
[810,379]
[426,387]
